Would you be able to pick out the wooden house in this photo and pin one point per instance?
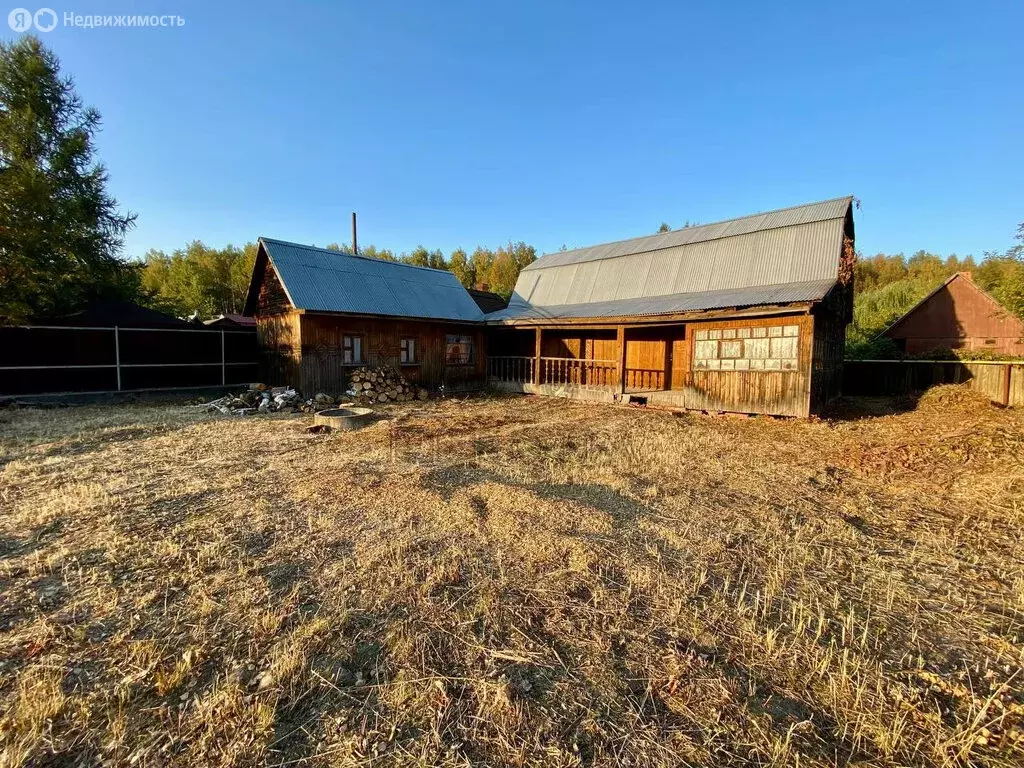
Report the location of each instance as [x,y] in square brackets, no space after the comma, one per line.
[747,315]
[322,313]
[958,315]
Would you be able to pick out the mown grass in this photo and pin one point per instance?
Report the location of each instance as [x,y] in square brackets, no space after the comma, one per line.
[517,582]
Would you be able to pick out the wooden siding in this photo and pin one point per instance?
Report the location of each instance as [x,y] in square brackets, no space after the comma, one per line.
[829,347]
[280,341]
[959,315]
[784,393]
[323,369]
[272,297]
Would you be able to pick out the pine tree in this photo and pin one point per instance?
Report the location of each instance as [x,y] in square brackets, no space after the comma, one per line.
[60,231]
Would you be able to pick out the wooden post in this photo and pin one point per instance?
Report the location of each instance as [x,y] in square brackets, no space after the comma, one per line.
[1007,370]
[223,362]
[666,378]
[620,337]
[536,356]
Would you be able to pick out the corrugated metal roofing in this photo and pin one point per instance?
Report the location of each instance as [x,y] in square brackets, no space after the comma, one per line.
[758,222]
[740,262]
[320,280]
[811,290]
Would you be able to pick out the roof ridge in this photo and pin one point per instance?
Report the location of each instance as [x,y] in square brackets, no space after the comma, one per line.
[333,252]
[535,265]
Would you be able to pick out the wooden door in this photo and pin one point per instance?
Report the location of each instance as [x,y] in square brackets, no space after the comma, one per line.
[680,360]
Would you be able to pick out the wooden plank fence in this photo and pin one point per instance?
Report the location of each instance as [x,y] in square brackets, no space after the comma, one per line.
[1001,381]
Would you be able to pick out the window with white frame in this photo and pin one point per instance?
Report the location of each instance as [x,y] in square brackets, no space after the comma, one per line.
[352,350]
[407,350]
[757,348]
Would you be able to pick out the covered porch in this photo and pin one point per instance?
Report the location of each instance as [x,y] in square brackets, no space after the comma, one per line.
[593,363]
[746,364]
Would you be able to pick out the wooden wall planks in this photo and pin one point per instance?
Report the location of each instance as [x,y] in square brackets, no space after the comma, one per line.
[323,366]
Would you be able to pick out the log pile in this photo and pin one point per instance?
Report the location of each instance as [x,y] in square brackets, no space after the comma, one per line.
[382,385]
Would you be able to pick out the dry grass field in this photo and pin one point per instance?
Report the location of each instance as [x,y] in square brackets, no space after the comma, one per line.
[512,582]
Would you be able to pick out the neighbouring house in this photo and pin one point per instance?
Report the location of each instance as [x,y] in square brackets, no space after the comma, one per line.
[110,313]
[958,315]
[747,315]
[232,322]
[487,300]
[322,313]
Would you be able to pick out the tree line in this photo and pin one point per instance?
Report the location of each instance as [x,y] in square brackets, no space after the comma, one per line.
[212,281]
[887,286]
[61,233]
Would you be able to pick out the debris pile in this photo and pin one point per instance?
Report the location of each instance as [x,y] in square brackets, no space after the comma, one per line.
[382,385]
[378,385]
[257,399]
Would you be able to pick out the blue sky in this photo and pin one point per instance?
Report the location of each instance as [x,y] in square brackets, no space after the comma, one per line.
[457,124]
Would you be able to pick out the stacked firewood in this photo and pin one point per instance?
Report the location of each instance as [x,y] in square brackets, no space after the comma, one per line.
[382,385]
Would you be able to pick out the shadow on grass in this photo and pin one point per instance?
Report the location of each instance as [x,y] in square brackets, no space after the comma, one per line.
[858,408]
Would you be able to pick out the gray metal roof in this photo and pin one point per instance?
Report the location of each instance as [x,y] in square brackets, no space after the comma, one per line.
[796,246]
[811,290]
[321,280]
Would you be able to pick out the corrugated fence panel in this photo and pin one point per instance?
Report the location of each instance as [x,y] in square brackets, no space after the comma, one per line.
[42,360]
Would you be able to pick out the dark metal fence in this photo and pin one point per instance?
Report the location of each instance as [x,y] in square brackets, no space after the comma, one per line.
[44,359]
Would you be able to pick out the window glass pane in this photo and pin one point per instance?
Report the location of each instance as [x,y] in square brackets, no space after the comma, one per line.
[357,350]
[706,350]
[759,333]
[407,350]
[790,330]
[742,333]
[716,334]
[729,333]
[713,364]
[742,365]
[775,330]
[755,348]
[701,335]
[784,349]
[772,365]
[732,349]
[757,365]
[728,365]
[700,363]
[459,350]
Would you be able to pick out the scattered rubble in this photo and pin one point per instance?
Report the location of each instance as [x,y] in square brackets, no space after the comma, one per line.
[367,386]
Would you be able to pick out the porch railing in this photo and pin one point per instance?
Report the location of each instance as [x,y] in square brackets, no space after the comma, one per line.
[553,370]
[645,378]
[516,370]
[583,373]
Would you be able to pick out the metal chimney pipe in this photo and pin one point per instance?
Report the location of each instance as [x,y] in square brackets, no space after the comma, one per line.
[355,243]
